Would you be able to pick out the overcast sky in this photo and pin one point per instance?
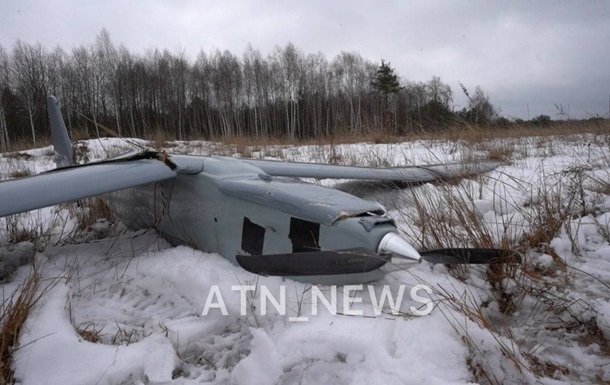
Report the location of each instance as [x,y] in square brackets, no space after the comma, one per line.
[527,55]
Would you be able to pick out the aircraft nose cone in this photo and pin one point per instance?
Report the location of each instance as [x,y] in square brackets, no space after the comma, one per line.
[400,251]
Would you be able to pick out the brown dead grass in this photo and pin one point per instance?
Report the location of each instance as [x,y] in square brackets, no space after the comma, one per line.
[467,133]
[458,132]
[544,368]
[90,333]
[458,224]
[26,144]
[20,232]
[88,212]
[14,312]
[91,210]
[21,173]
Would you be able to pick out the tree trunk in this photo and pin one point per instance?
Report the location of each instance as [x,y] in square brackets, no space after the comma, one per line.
[4,139]
[31,114]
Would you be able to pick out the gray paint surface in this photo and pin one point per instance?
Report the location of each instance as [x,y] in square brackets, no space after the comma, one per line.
[411,174]
[207,211]
[47,189]
[304,200]
[61,142]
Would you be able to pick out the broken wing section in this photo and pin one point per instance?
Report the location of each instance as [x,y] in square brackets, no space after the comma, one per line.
[412,174]
[62,185]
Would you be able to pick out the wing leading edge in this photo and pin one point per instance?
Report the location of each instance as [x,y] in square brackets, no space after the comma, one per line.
[62,185]
[413,174]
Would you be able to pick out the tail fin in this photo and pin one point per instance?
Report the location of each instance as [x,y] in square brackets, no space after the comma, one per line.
[59,134]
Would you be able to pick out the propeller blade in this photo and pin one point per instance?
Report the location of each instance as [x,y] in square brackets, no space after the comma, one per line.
[452,256]
[330,262]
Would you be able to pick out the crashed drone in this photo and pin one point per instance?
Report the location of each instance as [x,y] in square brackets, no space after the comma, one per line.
[247,210]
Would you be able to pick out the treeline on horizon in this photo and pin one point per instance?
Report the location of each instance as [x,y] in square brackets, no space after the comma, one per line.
[285,94]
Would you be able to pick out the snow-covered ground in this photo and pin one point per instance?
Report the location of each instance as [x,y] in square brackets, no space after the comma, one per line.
[126,307]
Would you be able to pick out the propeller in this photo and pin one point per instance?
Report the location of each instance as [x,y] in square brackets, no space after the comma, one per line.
[470,256]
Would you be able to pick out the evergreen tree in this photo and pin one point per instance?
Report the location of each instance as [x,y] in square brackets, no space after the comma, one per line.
[386,82]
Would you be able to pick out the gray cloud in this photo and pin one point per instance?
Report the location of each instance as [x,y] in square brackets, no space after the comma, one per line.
[521,53]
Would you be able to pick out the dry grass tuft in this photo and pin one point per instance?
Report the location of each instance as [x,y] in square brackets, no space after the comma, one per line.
[92,210]
[21,173]
[545,218]
[243,150]
[17,155]
[446,217]
[467,306]
[592,334]
[14,312]
[543,368]
[93,215]
[553,205]
[501,153]
[477,367]
[18,232]
[90,333]
[26,144]
[160,140]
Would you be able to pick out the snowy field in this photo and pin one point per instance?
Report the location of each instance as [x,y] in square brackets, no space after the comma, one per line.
[125,307]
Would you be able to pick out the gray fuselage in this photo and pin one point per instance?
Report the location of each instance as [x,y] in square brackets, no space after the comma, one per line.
[225,206]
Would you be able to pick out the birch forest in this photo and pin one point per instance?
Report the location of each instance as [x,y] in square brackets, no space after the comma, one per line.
[286,93]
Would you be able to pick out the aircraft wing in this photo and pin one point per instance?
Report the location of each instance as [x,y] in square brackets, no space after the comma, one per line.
[77,182]
[412,174]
